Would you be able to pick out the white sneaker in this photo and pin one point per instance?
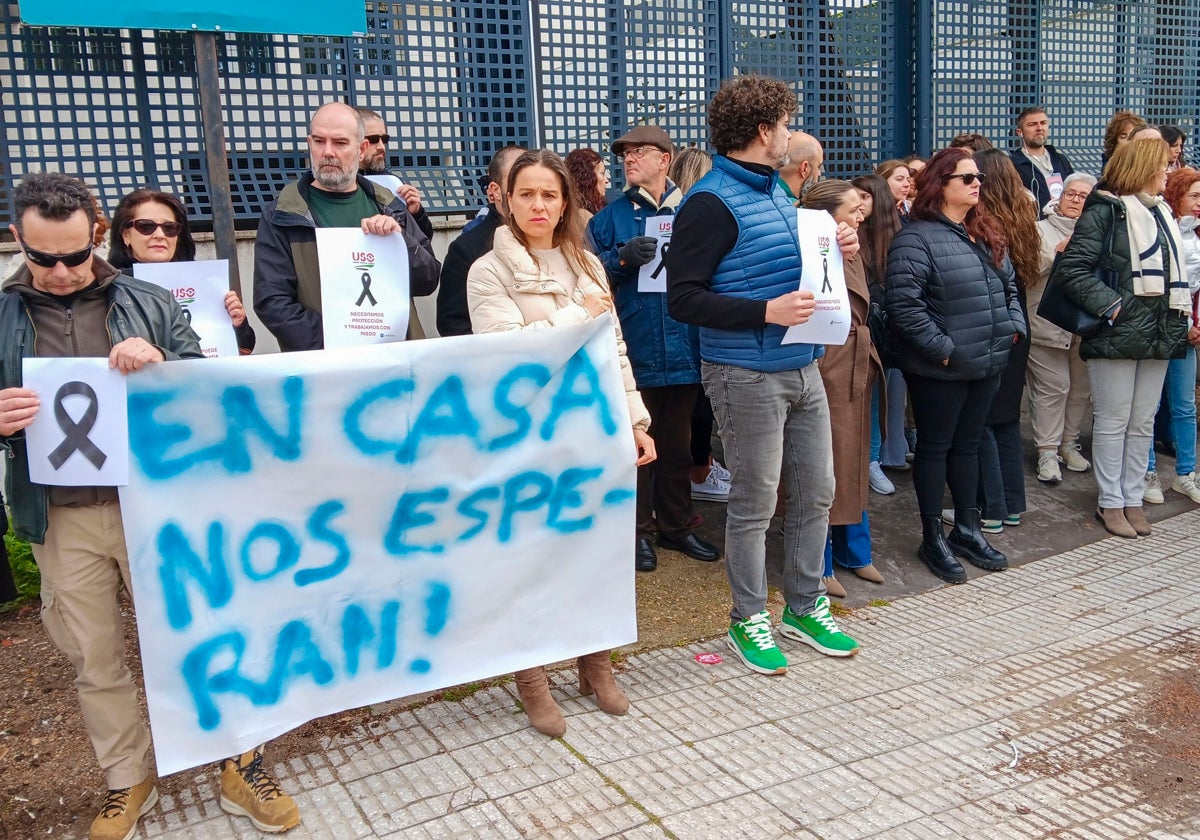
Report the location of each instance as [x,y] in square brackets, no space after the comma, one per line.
[712,489]
[1153,492]
[879,482]
[1047,469]
[1073,457]
[718,469]
[1186,484]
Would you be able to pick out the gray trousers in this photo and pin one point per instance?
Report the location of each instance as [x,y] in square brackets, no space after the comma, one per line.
[772,424]
[1125,394]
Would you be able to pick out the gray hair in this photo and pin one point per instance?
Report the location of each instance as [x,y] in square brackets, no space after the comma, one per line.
[358,120]
[53,196]
[1089,180]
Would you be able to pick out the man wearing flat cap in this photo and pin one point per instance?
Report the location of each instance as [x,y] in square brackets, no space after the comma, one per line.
[663,352]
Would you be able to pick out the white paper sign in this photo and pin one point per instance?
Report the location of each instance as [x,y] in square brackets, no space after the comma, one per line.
[652,277]
[823,274]
[364,287]
[313,532]
[78,438]
[199,287]
[387,180]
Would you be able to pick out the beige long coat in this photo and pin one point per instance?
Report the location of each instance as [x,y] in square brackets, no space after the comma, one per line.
[507,290]
[849,371]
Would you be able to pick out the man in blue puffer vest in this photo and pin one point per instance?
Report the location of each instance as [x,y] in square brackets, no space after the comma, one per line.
[661,350]
[734,270]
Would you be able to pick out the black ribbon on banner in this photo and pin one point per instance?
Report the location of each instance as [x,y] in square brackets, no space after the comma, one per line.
[366,292]
[76,439]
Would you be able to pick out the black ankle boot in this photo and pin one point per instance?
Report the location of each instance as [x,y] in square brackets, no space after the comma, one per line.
[968,542]
[936,554]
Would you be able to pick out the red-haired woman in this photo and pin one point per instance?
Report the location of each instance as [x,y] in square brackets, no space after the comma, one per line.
[590,175]
[953,310]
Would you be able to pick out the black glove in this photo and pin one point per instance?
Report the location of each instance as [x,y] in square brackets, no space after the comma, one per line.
[638,251]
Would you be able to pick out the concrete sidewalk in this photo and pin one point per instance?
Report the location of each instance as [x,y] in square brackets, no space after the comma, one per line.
[1037,702]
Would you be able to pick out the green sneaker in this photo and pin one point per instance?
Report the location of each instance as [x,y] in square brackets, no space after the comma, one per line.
[818,630]
[752,641]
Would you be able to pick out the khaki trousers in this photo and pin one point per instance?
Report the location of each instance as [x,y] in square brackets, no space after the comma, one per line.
[1059,394]
[83,563]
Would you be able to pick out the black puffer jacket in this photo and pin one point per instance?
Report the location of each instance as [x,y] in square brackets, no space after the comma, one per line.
[1146,328]
[946,300]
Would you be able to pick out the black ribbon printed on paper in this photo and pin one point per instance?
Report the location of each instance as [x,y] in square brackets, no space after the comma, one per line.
[76,439]
[366,292]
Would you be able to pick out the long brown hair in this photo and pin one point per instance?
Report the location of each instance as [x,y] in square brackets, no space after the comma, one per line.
[931,196]
[877,231]
[581,165]
[1006,198]
[568,233]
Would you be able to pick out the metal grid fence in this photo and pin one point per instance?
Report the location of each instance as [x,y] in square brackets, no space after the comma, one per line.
[458,79]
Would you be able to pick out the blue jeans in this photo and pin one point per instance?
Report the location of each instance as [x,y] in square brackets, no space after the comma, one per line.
[849,546]
[1001,471]
[773,423]
[895,447]
[876,437]
[1181,398]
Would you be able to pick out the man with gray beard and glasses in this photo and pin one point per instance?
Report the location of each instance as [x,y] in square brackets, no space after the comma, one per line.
[287,277]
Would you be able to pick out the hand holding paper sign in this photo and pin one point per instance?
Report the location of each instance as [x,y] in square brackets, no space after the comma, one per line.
[380,224]
[133,354]
[18,407]
[847,239]
[791,309]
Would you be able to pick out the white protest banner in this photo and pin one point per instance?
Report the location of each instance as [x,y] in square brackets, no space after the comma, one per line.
[652,277]
[199,287]
[311,532]
[364,287]
[78,437]
[824,275]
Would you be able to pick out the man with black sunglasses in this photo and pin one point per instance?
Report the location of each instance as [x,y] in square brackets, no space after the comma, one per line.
[77,305]
[374,162]
[287,275]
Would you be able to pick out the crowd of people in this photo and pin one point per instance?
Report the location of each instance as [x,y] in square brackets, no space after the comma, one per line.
[946,263]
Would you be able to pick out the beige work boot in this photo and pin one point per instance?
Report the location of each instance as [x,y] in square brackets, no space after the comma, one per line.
[122,809]
[247,790]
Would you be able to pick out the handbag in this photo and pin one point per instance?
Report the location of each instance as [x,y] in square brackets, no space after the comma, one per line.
[1063,312]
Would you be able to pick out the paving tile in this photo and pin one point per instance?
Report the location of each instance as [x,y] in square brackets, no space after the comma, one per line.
[838,803]
[511,763]
[414,793]
[742,816]
[483,821]
[575,808]
[672,780]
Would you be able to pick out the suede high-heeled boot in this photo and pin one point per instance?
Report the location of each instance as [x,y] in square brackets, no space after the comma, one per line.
[936,554]
[543,712]
[968,542]
[595,674]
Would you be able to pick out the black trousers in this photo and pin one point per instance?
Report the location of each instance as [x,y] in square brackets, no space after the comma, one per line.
[950,416]
[664,490]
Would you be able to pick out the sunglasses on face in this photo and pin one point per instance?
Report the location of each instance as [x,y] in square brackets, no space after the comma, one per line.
[45,260]
[378,138]
[968,178]
[146,227]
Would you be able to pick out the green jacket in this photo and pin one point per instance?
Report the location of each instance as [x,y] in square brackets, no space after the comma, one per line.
[1146,327]
[135,309]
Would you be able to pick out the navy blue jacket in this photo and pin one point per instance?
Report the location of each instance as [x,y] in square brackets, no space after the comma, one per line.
[661,350]
[1033,178]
